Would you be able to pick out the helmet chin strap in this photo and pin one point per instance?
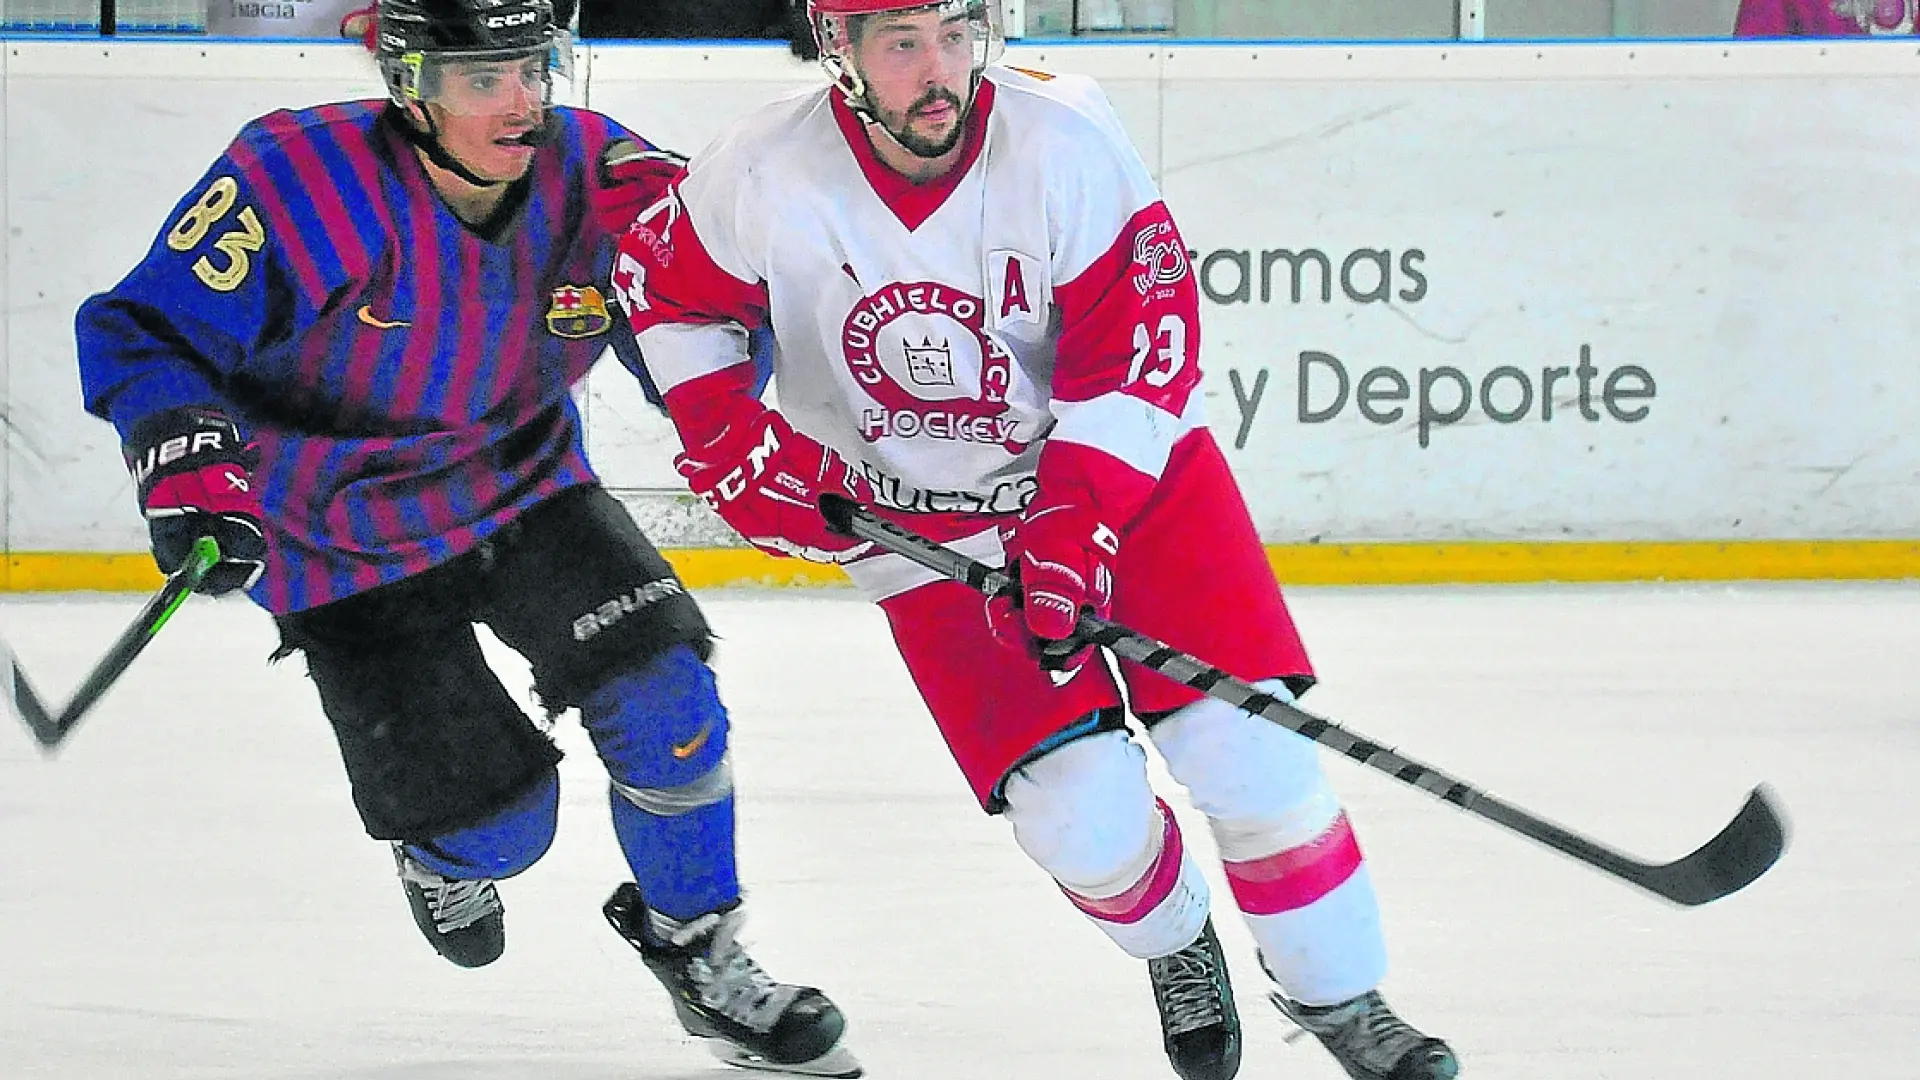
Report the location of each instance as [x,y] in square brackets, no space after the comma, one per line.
[429,143]
[873,121]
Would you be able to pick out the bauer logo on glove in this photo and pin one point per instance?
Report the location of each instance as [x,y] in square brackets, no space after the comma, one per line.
[195,478]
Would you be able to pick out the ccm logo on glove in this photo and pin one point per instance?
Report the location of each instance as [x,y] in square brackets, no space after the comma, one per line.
[734,484]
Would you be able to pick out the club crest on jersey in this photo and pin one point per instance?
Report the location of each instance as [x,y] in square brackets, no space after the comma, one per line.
[577,311]
[929,364]
[920,351]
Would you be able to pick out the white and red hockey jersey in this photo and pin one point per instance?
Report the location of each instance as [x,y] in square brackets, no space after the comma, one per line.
[934,335]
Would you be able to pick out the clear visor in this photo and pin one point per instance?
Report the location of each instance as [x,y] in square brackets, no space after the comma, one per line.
[956,31]
[480,84]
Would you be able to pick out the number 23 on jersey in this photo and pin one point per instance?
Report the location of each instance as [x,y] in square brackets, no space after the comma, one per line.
[1159,353]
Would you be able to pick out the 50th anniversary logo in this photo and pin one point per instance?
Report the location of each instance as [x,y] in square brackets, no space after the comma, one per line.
[1424,400]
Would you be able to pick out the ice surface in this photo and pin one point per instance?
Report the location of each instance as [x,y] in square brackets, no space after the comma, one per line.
[185,890]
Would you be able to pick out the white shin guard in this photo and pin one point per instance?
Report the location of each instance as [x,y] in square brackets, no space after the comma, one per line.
[1290,854]
[1086,814]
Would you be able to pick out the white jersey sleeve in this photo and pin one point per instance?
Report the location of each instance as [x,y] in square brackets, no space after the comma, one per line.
[691,271]
[1125,377]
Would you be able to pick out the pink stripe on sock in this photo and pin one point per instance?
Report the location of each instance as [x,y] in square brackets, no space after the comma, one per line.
[1154,886]
[1294,878]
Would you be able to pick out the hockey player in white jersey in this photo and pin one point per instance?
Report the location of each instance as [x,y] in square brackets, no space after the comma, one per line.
[987,328]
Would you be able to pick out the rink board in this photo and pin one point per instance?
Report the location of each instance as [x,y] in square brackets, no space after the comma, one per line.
[1489,312]
[1305,564]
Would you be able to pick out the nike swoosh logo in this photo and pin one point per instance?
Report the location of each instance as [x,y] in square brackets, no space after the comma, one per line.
[367,316]
[692,746]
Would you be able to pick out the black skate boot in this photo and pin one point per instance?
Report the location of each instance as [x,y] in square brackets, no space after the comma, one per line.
[1370,1042]
[464,921]
[1198,1022]
[720,994]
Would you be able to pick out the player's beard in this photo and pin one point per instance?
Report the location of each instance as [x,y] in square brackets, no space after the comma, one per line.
[920,146]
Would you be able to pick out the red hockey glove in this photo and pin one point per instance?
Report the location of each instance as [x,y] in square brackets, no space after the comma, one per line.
[195,479]
[631,179]
[766,480]
[1062,555]
[1063,551]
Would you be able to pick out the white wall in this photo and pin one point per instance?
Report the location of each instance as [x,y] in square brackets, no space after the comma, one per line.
[1732,221]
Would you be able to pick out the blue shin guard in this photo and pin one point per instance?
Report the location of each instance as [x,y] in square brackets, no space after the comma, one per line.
[505,843]
[662,734]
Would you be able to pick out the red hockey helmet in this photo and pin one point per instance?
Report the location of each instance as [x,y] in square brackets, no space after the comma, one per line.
[835,22]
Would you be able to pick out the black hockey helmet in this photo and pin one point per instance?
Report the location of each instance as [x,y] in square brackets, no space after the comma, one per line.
[416,38]
[475,28]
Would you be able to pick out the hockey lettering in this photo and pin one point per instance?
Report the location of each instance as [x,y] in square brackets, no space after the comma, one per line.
[611,612]
[935,424]
[1430,399]
[502,22]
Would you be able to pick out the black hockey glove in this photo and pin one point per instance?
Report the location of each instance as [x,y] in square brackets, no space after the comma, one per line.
[195,478]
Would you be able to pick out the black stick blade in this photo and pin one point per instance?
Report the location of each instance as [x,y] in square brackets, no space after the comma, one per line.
[26,703]
[1750,844]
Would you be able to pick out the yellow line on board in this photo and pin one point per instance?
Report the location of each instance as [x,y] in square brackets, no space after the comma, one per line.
[1502,561]
[51,571]
[712,568]
[1467,562]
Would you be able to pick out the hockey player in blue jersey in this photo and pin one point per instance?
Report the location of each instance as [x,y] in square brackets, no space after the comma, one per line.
[347,358]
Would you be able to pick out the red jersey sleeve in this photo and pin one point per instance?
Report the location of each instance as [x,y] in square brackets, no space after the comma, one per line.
[1125,365]
[689,314]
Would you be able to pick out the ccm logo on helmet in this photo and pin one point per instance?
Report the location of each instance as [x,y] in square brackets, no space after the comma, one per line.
[518,18]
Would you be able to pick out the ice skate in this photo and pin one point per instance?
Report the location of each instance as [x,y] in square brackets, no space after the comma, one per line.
[1369,1041]
[1198,1023]
[721,995]
[464,921]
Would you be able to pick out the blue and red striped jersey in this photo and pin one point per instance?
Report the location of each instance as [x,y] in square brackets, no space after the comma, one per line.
[406,381]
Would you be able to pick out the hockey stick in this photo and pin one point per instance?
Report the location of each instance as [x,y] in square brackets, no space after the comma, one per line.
[51,729]
[1751,843]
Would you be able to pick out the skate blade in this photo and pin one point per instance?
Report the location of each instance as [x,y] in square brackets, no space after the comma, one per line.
[837,1062]
[1295,1032]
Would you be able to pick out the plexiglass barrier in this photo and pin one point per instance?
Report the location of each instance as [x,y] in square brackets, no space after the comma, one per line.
[1216,20]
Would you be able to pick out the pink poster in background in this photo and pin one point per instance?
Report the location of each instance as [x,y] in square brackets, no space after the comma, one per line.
[1825,18]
